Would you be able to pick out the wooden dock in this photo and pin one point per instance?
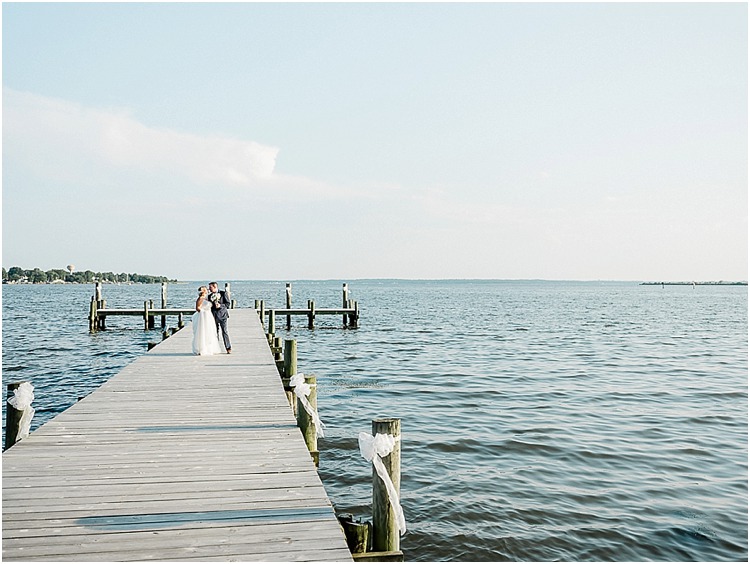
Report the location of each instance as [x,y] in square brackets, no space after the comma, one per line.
[177,457]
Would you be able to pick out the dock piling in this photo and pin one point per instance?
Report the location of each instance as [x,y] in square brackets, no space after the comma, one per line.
[345,300]
[290,369]
[386,534]
[277,349]
[227,290]
[288,305]
[18,412]
[103,318]
[354,318]
[358,533]
[290,357]
[163,303]
[305,420]
[93,318]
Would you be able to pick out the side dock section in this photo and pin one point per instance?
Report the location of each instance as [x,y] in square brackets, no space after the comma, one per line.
[177,457]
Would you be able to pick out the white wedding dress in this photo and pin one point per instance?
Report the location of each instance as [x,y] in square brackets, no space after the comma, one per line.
[205,333]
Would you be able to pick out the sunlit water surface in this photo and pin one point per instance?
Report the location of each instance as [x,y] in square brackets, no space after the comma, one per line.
[541,421]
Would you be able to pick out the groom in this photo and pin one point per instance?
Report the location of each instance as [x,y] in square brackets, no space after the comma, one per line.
[220,303]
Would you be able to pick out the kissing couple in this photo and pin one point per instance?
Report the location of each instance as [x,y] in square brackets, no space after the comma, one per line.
[210,319]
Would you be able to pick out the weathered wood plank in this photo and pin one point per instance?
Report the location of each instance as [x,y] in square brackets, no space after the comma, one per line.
[159,490]
[175,469]
[185,539]
[26,482]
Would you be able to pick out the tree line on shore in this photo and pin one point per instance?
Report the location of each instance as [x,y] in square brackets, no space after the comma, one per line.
[17,274]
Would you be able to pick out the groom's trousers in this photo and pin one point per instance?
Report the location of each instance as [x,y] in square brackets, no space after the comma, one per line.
[221,327]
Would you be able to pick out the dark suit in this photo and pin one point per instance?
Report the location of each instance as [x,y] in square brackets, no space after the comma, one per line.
[220,309]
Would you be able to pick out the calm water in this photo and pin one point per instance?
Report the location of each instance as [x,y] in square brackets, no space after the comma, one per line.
[541,421]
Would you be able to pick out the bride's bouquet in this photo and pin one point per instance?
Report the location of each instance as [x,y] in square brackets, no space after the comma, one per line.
[215,298]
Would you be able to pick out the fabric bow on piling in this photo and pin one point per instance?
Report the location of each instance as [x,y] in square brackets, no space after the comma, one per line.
[23,395]
[373,449]
[302,390]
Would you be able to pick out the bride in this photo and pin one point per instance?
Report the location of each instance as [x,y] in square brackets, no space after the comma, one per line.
[205,334]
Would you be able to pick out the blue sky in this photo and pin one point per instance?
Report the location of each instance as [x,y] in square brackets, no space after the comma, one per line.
[289,141]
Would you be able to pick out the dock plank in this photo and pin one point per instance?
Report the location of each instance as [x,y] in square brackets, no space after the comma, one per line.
[177,457]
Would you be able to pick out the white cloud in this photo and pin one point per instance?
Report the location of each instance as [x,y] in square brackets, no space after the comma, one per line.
[65,142]
[57,134]
[209,159]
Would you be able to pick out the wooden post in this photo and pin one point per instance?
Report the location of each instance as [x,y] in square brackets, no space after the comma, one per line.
[288,305]
[290,358]
[278,355]
[165,335]
[311,315]
[277,349]
[13,418]
[227,290]
[305,421]
[152,319]
[357,531]
[290,369]
[262,313]
[233,304]
[163,303]
[180,321]
[386,536]
[99,306]
[355,317]
[93,315]
[103,318]
[271,321]
[99,302]
[345,300]
[145,315]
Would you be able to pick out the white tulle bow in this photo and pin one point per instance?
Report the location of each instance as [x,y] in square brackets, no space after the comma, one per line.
[23,395]
[302,390]
[373,449]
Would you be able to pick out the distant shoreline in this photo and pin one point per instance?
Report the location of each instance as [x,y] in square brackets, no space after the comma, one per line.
[69,275]
[60,282]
